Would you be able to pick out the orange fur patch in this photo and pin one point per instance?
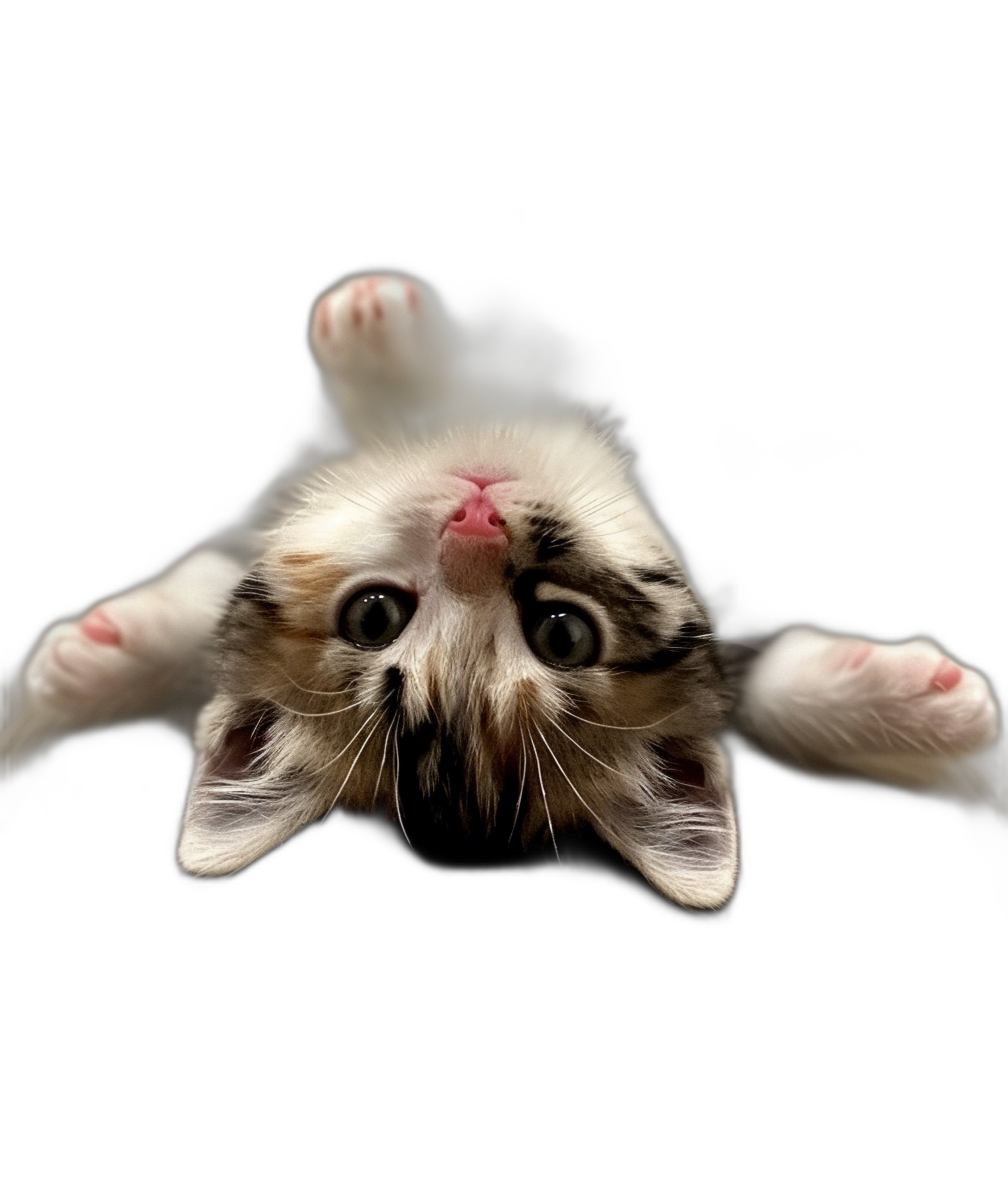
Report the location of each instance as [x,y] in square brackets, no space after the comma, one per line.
[310,576]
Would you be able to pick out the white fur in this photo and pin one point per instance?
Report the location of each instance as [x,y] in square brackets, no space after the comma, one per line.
[876,710]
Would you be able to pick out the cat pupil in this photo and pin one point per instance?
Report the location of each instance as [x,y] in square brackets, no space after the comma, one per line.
[561,637]
[375,620]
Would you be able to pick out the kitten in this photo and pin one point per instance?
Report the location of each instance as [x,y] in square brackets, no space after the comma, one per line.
[483,631]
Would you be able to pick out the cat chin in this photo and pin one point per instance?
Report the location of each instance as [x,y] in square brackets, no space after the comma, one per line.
[672,817]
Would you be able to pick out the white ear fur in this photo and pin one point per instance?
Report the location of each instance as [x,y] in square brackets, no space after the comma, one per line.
[681,834]
[242,802]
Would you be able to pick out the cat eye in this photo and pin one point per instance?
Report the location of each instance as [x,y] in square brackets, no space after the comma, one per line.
[561,635]
[375,617]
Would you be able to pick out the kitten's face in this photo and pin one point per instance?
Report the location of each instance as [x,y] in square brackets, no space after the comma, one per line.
[490,637]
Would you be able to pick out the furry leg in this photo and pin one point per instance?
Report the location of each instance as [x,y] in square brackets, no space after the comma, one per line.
[383,344]
[902,713]
[137,653]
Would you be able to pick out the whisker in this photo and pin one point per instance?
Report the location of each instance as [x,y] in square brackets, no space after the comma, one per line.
[360,752]
[624,727]
[591,756]
[314,714]
[396,790]
[542,787]
[309,691]
[598,504]
[373,504]
[521,786]
[381,767]
[568,780]
[621,514]
[353,737]
[360,505]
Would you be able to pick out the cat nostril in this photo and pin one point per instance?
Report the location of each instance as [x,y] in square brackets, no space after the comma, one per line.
[477,518]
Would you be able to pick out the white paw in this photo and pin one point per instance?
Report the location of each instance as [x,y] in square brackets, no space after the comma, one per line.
[913,696]
[377,326]
[899,711]
[133,653]
[97,665]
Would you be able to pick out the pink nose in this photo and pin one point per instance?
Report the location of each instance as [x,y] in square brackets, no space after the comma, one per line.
[478,518]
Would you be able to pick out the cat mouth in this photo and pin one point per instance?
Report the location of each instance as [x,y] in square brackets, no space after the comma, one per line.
[483,479]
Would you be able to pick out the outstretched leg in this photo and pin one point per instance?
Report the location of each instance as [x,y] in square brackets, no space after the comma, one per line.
[897,713]
[144,651]
[383,344]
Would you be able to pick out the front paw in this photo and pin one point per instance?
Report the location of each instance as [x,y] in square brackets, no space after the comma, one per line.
[902,712]
[913,697]
[80,673]
[88,668]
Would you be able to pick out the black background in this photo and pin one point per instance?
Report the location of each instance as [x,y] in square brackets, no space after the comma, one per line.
[795,323]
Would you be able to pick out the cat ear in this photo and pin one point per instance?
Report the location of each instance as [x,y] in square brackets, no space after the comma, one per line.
[244,798]
[679,831]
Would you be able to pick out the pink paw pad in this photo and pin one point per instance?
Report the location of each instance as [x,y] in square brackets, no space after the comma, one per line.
[947,676]
[97,626]
[362,292]
[322,326]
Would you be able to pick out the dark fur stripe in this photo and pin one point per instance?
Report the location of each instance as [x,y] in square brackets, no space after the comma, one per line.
[661,575]
[393,689]
[618,595]
[552,539]
[255,589]
[689,638]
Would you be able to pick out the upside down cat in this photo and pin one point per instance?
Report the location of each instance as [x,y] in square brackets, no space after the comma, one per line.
[482,630]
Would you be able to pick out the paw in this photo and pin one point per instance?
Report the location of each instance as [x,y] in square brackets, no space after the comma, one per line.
[110,660]
[897,712]
[135,653]
[911,697]
[377,327]
[82,672]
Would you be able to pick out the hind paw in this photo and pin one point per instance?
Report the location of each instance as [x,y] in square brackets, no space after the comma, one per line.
[898,712]
[377,326]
